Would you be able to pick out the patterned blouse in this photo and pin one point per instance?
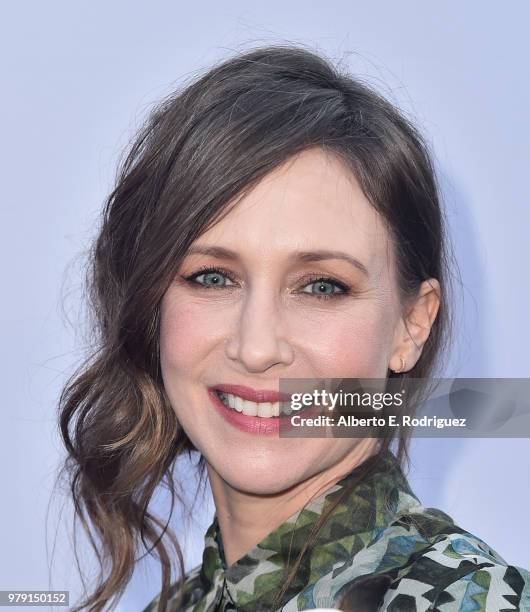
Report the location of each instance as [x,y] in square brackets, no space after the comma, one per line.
[379,547]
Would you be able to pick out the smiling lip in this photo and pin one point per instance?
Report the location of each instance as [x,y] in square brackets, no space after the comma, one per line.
[243,422]
[253,395]
[253,424]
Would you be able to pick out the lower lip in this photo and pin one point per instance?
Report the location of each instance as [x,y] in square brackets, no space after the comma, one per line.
[261,426]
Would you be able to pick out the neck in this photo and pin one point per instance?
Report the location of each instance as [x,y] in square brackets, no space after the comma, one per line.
[245,519]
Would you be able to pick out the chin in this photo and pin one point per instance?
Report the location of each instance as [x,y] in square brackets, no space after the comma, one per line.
[260,475]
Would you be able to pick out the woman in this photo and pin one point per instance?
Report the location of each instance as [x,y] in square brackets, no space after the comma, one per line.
[275,219]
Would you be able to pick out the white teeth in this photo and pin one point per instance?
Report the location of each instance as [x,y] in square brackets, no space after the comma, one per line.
[262,409]
[250,408]
[265,409]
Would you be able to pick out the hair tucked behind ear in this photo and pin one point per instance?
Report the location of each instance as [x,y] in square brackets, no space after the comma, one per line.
[200,150]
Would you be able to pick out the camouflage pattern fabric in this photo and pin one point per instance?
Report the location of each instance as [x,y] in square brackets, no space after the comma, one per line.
[380,547]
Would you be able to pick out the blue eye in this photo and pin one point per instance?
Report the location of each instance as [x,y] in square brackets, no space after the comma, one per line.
[216,278]
[213,277]
[324,288]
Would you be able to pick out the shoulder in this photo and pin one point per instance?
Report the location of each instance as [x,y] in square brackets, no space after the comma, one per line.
[453,569]
[192,591]
[422,560]
[458,571]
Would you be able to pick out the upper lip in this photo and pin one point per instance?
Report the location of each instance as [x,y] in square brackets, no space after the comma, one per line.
[253,395]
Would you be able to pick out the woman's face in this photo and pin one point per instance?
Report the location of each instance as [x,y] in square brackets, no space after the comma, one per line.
[262,314]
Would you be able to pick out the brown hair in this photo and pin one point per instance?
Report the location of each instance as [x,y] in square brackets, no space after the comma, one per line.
[202,147]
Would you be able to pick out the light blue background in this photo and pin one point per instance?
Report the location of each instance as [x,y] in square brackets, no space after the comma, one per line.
[78,77]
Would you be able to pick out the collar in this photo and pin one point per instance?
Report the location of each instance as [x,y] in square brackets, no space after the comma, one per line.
[252,582]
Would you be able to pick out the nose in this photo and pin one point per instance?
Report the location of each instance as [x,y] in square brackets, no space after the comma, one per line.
[259,340]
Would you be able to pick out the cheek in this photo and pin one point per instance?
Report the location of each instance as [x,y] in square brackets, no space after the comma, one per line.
[353,344]
[184,335]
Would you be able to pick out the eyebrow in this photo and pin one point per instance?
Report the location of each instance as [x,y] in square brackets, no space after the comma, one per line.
[303,256]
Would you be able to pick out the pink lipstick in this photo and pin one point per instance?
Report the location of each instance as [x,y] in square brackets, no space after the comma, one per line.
[272,415]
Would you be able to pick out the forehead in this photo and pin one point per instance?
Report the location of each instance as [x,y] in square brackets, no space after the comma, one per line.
[312,200]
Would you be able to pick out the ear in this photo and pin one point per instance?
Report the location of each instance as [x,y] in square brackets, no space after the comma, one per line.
[415,326]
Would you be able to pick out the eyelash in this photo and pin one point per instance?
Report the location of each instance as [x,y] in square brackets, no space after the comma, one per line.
[344,290]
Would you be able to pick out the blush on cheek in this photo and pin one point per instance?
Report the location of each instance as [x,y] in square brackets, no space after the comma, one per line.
[179,332]
[187,330]
[353,350]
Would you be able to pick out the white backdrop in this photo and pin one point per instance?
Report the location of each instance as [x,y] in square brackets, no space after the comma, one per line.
[79,76]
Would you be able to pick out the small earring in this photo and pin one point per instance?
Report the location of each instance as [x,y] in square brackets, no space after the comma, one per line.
[403,365]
